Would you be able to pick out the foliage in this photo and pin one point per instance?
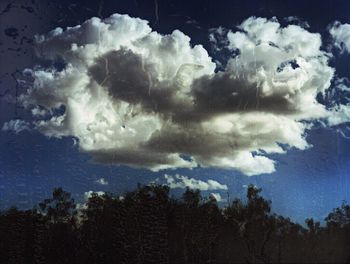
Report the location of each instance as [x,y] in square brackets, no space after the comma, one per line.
[149,226]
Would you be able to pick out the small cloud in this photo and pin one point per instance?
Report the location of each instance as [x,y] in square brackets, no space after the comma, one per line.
[88,194]
[342,84]
[182,182]
[81,206]
[102,181]
[341,36]
[37,112]
[297,21]
[217,197]
[16,126]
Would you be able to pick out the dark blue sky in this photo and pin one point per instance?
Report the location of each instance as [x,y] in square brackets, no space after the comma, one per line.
[306,183]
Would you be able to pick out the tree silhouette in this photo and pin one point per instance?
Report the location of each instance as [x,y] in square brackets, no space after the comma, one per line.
[59,213]
[149,226]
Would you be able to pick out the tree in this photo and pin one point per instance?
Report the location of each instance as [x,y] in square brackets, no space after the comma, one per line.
[60,208]
[147,226]
[60,212]
[338,223]
[340,216]
[254,224]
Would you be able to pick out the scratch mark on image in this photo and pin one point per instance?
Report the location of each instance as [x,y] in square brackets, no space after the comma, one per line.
[156,11]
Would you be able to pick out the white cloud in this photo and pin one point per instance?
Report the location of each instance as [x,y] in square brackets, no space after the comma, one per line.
[283,66]
[341,36]
[217,197]
[339,115]
[102,181]
[88,194]
[135,97]
[16,126]
[180,181]
[342,84]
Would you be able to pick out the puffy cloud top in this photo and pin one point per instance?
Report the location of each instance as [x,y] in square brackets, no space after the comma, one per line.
[135,97]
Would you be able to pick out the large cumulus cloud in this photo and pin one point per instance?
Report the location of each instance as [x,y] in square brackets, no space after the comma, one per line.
[135,97]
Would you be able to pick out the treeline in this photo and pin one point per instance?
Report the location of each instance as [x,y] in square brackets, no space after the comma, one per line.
[148,226]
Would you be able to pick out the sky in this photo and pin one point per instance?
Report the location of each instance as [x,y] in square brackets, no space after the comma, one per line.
[215,95]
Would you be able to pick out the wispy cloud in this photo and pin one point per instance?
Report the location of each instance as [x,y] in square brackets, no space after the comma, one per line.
[341,36]
[102,181]
[16,126]
[180,181]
